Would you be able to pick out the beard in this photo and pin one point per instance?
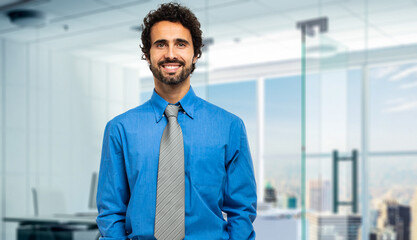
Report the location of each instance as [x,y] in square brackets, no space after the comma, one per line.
[171,79]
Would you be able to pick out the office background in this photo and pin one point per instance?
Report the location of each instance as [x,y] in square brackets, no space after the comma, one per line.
[80,65]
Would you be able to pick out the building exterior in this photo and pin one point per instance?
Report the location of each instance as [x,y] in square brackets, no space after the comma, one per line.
[397,217]
[288,201]
[414,216]
[385,234]
[329,226]
[318,195]
[270,194]
[291,202]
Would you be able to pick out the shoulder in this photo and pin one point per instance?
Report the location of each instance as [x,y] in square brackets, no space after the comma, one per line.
[131,116]
[215,112]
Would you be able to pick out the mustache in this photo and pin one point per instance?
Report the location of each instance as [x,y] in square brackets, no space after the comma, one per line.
[171,61]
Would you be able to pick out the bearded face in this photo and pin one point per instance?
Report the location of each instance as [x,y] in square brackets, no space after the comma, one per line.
[171,56]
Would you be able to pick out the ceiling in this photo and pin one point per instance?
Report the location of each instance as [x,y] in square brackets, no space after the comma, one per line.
[103,29]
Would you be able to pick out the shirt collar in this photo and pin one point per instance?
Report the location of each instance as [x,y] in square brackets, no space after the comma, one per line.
[187,104]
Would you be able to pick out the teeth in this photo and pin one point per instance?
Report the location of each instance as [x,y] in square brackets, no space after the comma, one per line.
[171,67]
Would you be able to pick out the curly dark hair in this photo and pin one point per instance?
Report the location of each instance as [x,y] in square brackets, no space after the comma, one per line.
[172,12]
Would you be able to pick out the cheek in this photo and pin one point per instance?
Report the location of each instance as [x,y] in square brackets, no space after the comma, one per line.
[154,56]
[191,58]
[154,59]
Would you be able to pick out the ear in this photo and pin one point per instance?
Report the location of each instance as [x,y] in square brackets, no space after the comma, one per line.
[195,59]
[147,60]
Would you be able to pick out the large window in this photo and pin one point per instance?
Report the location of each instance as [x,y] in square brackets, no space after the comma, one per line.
[393,149]
[283,135]
[393,108]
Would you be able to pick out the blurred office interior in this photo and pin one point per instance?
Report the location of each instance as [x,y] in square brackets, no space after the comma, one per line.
[327,90]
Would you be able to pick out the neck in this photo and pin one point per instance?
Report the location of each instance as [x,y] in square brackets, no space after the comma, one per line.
[172,93]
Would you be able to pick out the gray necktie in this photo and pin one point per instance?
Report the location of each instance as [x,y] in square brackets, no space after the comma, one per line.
[170,194]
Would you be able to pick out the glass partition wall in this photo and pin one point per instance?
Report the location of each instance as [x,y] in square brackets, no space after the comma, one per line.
[331,123]
[358,172]
[331,134]
[392,113]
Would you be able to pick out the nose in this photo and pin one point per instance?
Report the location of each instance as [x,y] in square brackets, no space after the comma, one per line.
[170,52]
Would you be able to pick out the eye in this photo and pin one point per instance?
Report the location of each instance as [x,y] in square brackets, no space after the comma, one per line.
[160,45]
[181,44]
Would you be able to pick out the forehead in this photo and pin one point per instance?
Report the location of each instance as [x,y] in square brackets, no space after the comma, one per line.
[169,31]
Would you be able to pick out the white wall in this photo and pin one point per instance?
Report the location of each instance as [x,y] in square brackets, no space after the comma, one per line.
[55,109]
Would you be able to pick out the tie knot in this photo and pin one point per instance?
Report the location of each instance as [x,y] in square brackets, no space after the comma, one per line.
[172,111]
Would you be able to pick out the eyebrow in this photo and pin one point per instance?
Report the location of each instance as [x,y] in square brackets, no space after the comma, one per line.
[160,41]
[181,40]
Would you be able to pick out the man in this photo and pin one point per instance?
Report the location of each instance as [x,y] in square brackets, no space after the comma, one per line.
[171,166]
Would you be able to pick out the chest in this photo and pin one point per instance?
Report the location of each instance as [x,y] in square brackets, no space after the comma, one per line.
[205,146]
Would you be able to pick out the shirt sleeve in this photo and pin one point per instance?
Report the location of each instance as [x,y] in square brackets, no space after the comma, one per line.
[240,192]
[113,190]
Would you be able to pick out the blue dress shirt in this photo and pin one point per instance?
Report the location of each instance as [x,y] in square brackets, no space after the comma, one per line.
[218,172]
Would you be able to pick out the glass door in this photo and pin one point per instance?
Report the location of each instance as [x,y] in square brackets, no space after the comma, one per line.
[330,136]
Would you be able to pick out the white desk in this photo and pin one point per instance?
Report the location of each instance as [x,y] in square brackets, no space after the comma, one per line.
[279,224]
[68,219]
[55,227]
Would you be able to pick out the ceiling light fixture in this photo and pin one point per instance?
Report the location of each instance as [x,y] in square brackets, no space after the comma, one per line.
[27,18]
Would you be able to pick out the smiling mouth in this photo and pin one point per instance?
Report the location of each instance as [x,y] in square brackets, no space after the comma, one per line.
[171,67]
